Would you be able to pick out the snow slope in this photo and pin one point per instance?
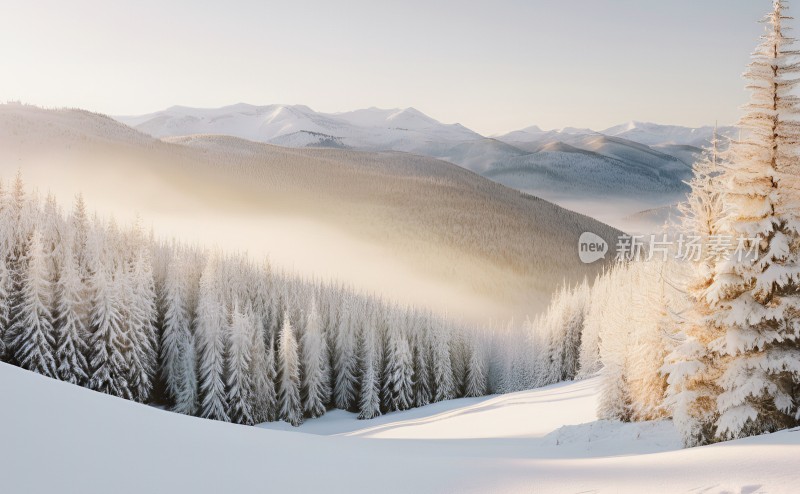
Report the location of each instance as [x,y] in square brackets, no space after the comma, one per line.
[61,438]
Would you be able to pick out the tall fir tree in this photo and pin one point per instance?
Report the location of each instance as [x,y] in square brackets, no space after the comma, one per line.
[71,333]
[263,384]
[316,389]
[239,379]
[140,319]
[271,377]
[444,387]
[178,355]
[693,368]
[422,366]
[346,355]
[476,383]
[755,297]
[369,402]
[108,341]
[5,300]
[210,324]
[291,409]
[32,336]
[399,366]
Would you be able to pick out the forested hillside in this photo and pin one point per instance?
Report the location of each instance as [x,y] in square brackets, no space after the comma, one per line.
[448,239]
[207,333]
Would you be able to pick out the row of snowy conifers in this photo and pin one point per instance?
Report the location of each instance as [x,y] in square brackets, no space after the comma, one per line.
[714,340]
[111,309]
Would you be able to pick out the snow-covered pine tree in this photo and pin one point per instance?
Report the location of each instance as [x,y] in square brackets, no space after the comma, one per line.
[71,334]
[239,379]
[346,355]
[577,308]
[140,319]
[442,367]
[271,366]
[589,359]
[178,355]
[756,298]
[108,342]
[31,333]
[649,347]
[5,303]
[5,272]
[693,367]
[422,353]
[369,402]
[316,389]
[79,224]
[210,324]
[291,409]
[263,379]
[614,346]
[476,383]
[52,226]
[399,366]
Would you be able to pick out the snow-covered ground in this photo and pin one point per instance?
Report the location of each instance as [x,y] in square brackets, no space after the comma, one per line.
[60,438]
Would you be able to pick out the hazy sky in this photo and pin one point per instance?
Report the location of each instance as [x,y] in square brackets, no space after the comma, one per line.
[492,66]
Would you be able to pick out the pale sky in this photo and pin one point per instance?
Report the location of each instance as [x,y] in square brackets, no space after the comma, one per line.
[492,66]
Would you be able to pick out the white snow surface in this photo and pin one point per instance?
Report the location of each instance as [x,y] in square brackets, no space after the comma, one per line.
[61,438]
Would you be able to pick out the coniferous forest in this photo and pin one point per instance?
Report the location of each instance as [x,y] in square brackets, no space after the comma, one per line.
[211,334]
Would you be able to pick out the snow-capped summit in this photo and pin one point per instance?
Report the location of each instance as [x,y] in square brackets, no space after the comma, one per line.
[653,134]
[398,128]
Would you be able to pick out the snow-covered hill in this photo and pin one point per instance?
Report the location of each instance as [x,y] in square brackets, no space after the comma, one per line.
[62,438]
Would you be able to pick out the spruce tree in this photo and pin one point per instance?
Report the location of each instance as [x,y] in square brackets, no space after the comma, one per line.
[5,303]
[693,368]
[399,366]
[755,297]
[346,355]
[263,377]
[32,337]
[71,334]
[369,402]
[140,319]
[271,377]
[239,379]
[291,409]
[442,367]
[210,324]
[178,355]
[422,366]
[476,370]
[316,388]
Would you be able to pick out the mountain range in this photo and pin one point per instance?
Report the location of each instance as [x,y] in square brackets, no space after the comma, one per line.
[636,166]
[411,228]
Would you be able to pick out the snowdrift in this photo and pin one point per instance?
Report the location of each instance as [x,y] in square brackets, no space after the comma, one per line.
[61,438]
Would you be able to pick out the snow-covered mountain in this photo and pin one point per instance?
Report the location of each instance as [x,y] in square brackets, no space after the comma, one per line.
[658,135]
[636,165]
[299,126]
